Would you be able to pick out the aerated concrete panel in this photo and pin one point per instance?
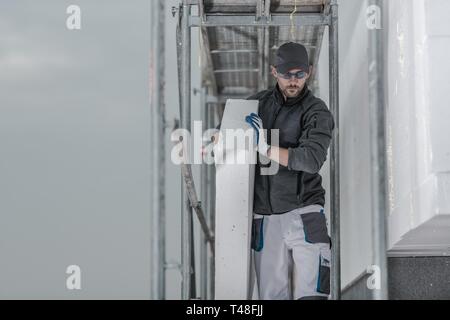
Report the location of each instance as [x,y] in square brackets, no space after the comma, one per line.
[234,206]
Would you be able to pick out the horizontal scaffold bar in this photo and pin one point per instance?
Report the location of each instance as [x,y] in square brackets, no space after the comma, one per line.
[251,20]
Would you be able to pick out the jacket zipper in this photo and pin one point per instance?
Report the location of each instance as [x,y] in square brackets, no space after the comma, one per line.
[315,122]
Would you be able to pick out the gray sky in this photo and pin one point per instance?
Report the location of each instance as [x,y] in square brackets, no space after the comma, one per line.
[75,155]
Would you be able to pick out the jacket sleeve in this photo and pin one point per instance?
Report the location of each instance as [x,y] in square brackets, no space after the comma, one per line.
[314,142]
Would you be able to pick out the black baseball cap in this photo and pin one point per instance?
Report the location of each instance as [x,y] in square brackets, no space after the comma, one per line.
[290,56]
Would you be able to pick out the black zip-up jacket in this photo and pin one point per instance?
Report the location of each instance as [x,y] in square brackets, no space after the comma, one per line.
[305,128]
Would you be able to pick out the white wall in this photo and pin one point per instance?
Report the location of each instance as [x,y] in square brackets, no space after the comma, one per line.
[354,136]
[417,129]
[418,114]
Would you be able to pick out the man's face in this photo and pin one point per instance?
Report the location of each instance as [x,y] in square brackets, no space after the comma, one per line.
[292,87]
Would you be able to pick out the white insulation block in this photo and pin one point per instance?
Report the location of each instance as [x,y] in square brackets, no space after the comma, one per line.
[234,211]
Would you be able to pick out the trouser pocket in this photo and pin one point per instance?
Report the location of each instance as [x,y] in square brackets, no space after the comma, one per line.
[315,227]
[323,281]
[257,240]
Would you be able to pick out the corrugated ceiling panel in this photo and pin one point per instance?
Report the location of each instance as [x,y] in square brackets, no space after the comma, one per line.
[236,48]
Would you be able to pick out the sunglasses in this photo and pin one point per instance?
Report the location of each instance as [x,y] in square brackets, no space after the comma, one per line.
[297,75]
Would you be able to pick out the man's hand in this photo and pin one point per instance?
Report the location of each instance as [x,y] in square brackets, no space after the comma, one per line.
[256,122]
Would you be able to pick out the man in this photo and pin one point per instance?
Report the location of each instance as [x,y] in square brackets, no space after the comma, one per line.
[289,232]
[290,236]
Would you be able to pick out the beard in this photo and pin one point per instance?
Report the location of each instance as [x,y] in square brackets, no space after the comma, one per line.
[291,91]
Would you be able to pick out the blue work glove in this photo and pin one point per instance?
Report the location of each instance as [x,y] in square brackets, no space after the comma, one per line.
[256,122]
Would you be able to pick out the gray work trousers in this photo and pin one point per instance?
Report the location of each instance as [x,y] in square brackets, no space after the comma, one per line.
[292,254]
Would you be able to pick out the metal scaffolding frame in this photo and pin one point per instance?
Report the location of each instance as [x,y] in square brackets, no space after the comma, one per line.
[265,16]
[379,204]
[158,124]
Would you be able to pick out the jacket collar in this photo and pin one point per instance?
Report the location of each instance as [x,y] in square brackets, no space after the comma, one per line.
[278,96]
